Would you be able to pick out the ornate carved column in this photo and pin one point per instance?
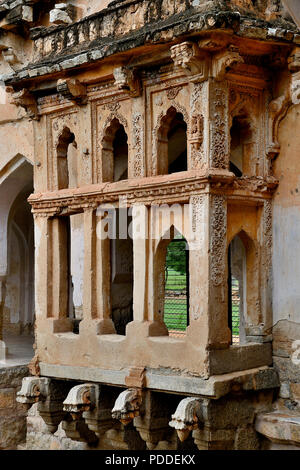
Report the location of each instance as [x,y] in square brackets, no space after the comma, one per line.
[199,268]
[208,269]
[219,333]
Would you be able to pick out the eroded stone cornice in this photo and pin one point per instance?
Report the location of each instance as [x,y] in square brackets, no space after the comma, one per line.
[94,38]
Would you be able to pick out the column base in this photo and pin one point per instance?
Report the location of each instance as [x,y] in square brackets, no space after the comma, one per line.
[146,328]
[97,327]
[55,325]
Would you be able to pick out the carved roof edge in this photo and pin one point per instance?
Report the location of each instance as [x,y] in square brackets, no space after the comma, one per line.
[188,23]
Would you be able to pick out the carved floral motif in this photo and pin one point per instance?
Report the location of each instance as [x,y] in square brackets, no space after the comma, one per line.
[219,138]
[218,239]
[138,140]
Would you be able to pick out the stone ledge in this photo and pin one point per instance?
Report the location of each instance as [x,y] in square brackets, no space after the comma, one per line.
[215,387]
[281,428]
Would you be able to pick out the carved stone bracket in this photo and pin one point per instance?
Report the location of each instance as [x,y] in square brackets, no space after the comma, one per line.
[277,111]
[225,60]
[80,398]
[72,89]
[126,79]
[127,405]
[26,100]
[187,417]
[33,389]
[187,56]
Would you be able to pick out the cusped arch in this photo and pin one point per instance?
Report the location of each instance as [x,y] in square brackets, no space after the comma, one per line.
[243,141]
[248,274]
[66,161]
[160,257]
[114,150]
[162,153]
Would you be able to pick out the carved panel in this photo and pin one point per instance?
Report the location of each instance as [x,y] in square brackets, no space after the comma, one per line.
[267,234]
[218,240]
[138,145]
[219,127]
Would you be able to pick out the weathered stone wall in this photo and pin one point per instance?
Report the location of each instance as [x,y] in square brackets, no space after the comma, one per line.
[286,266]
[12,414]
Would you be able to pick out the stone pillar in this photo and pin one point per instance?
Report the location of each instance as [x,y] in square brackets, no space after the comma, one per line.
[219,333]
[51,275]
[266,263]
[208,271]
[140,261]
[260,330]
[43,269]
[96,290]
[145,319]
[198,241]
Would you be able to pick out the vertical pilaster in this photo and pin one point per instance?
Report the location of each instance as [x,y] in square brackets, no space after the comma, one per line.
[199,127]
[219,333]
[266,267]
[199,268]
[140,261]
[218,125]
[43,268]
[208,269]
[60,275]
[147,319]
[51,275]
